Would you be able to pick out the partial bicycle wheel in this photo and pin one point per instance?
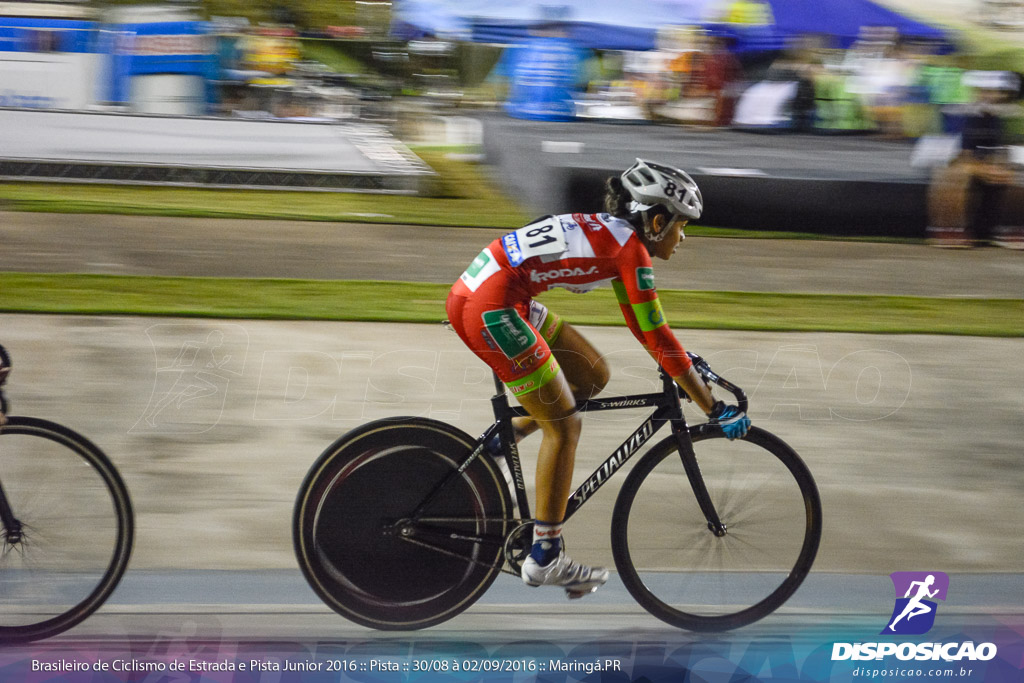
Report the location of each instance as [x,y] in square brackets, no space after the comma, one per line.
[684,574]
[359,546]
[74,530]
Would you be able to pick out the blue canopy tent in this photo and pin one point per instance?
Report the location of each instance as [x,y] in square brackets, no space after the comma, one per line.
[596,24]
[842,20]
[634,24]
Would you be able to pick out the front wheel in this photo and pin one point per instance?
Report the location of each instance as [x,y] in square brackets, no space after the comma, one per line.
[65,529]
[392,533]
[685,574]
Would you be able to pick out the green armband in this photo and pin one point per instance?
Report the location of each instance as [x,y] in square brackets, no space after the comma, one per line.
[649,315]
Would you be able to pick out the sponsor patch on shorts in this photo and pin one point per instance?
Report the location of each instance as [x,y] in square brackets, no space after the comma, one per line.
[511,333]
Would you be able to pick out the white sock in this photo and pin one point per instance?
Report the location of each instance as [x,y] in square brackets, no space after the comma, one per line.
[547,542]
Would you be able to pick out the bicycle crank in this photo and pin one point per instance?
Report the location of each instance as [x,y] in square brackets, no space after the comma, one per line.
[517,547]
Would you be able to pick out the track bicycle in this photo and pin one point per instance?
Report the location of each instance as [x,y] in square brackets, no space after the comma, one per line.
[403,523]
[66,526]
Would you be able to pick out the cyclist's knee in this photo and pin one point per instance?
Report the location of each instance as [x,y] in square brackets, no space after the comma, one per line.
[553,407]
[572,425]
[599,377]
[584,366]
[563,432]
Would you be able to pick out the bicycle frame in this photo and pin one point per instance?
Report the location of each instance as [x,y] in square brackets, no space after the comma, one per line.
[668,409]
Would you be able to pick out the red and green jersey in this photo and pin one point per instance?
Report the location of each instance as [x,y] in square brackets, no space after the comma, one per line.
[578,252]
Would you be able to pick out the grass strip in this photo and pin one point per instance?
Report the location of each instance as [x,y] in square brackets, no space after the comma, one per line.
[459,195]
[417,302]
[260,204]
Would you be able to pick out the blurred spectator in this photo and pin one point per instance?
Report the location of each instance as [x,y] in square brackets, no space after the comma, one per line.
[785,98]
[546,72]
[943,77]
[883,72]
[701,79]
[800,67]
[919,116]
[836,109]
[965,197]
[716,73]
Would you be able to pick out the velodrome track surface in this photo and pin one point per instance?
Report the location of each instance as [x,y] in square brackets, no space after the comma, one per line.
[914,440]
[132,245]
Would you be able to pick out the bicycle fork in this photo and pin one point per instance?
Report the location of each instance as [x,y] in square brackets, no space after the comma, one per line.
[11,534]
[700,489]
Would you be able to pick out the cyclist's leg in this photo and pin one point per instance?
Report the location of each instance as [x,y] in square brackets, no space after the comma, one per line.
[505,339]
[584,367]
[518,353]
[553,410]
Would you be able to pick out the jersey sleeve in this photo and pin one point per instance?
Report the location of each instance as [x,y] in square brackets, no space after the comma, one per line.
[638,300]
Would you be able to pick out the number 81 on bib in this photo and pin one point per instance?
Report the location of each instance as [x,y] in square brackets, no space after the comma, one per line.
[537,239]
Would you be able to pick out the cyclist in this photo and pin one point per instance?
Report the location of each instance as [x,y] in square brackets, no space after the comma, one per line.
[546,363]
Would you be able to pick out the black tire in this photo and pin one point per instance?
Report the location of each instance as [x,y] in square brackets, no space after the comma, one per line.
[78,528]
[683,574]
[369,479]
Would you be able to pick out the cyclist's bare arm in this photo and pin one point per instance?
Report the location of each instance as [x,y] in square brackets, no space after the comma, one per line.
[693,384]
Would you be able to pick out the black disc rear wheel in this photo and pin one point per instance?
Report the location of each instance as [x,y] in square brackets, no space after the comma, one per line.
[359,546]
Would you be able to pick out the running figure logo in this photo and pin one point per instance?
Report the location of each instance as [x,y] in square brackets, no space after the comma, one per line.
[914,613]
[195,364]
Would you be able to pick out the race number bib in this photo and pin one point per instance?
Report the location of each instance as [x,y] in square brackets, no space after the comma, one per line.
[543,238]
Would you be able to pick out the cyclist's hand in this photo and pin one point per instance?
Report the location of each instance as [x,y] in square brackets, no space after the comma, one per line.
[731,419]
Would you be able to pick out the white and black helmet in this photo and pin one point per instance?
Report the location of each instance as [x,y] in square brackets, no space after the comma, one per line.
[651,184]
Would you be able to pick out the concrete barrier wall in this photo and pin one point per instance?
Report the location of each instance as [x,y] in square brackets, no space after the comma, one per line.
[896,209]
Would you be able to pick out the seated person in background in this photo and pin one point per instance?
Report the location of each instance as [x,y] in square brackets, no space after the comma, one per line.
[965,197]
